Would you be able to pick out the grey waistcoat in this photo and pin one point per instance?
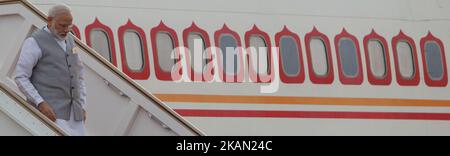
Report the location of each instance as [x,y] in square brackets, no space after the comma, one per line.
[56,76]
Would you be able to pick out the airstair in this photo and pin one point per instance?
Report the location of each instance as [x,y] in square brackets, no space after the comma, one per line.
[116,104]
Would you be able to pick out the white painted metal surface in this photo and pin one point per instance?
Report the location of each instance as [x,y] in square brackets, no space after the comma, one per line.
[17,120]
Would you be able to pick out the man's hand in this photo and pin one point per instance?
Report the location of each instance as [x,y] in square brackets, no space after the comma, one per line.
[47,110]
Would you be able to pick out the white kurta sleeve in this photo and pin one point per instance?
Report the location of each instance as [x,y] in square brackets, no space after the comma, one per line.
[29,57]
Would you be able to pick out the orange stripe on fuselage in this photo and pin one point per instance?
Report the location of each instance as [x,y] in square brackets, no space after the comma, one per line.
[191,98]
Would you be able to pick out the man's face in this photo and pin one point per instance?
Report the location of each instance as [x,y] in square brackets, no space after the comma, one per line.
[60,25]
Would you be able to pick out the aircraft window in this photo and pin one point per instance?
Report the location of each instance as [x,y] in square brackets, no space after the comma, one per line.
[290,56]
[348,57]
[405,60]
[433,60]
[100,43]
[196,41]
[319,57]
[228,42]
[260,61]
[165,48]
[100,38]
[377,58]
[134,51]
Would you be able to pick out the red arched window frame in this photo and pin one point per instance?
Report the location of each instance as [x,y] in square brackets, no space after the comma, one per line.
[358,79]
[428,80]
[387,79]
[300,77]
[199,31]
[160,73]
[254,75]
[328,79]
[414,81]
[97,25]
[239,77]
[144,74]
[76,31]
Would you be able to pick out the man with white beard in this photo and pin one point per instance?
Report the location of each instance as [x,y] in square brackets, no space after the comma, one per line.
[50,74]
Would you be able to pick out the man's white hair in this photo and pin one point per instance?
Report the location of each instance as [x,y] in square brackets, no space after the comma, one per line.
[59,9]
